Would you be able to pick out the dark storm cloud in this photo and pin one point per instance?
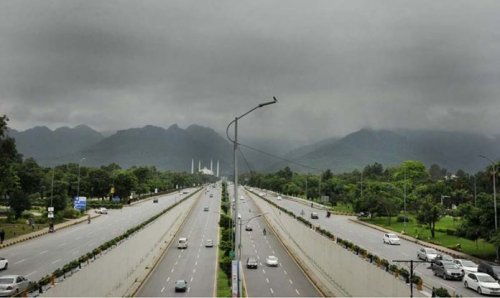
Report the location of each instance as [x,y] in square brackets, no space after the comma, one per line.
[336,66]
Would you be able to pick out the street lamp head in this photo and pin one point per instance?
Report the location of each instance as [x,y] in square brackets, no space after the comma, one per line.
[269,102]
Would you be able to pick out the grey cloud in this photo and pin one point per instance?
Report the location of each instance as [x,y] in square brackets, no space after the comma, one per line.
[335,66]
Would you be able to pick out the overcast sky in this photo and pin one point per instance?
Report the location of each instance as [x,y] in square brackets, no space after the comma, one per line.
[335,66]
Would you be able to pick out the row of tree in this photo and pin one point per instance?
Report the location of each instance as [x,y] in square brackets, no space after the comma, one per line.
[24,183]
[428,193]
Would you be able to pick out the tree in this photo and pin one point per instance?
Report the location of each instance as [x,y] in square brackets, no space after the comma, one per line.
[429,213]
[30,175]
[19,202]
[9,159]
[437,173]
[125,182]
[99,182]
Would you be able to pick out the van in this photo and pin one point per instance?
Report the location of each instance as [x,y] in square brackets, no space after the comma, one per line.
[182,243]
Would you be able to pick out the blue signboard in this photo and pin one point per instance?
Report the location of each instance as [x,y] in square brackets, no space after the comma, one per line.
[116,199]
[80,203]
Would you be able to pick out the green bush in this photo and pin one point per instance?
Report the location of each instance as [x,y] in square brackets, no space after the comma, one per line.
[441,292]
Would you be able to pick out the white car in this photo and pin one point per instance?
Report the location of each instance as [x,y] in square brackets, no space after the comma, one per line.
[272,261]
[466,265]
[209,243]
[482,283]
[279,198]
[11,285]
[427,254]
[391,238]
[102,210]
[4,264]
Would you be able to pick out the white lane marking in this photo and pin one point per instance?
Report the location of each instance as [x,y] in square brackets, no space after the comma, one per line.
[291,282]
[162,289]
[198,256]
[255,251]
[263,271]
[20,261]
[297,291]
[191,280]
[267,280]
[58,260]
[285,272]
[196,263]
[189,289]
[271,289]
[179,256]
[171,271]
[30,273]
[44,252]
[168,278]
[194,270]
[175,263]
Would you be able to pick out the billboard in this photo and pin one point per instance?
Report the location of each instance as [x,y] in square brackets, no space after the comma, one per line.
[80,203]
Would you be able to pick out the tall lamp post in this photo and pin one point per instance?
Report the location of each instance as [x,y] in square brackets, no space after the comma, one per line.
[235,148]
[494,175]
[78,184]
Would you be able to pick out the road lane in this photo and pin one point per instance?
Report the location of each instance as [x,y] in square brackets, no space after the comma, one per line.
[197,264]
[371,240]
[41,256]
[286,280]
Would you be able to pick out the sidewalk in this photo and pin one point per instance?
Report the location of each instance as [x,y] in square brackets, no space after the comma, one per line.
[32,235]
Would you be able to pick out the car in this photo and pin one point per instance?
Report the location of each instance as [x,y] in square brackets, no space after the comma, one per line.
[363,214]
[180,285]
[426,254]
[272,261]
[442,257]
[206,208]
[391,239]
[492,269]
[252,262]
[155,200]
[248,228]
[314,215]
[4,264]
[482,283]
[182,243]
[102,210]
[466,265]
[209,243]
[447,270]
[11,285]
[279,198]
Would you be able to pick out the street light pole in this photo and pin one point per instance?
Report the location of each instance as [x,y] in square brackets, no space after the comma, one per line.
[494,175]
[236,199]
[78,184]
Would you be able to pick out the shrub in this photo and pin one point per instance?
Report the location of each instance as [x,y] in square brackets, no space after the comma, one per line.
[404,273]
[402,218]
[441,292]
[393,268]
[384,263]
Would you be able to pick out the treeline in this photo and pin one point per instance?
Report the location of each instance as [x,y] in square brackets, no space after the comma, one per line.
[24,183]
[426,193]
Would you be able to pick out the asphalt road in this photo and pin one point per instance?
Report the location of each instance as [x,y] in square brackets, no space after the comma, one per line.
[286,280]
[371,240]
[197,264]
[41,256]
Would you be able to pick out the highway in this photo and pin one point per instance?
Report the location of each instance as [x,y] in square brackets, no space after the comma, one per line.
[197,264]
[371,240]
[41,256]
[286,280]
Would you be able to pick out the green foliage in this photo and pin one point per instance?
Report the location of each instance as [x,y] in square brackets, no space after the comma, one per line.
[429,213]
[18,202]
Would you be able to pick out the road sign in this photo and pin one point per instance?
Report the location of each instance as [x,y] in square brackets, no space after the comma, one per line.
[325,199]
[50,215]
[50,209]
[80,203]
[231,253]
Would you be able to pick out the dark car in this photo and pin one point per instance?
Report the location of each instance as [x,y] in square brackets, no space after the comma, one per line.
[181,285]
[442,257]
[447,270]
[252,263]
[155,200]
[492,269]
[314,215]
[248,228]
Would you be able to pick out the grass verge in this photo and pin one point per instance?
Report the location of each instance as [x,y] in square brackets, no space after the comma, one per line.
[480,248]
[223,283]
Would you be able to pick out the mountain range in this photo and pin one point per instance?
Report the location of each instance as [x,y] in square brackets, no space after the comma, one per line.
[174,148]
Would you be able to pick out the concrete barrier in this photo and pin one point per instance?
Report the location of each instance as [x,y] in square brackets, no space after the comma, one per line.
[120,271]
[335,270]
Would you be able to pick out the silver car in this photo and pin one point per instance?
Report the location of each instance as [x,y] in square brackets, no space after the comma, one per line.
[11,285]
[427,254]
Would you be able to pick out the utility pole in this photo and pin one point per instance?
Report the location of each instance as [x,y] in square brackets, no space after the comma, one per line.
[411,271]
